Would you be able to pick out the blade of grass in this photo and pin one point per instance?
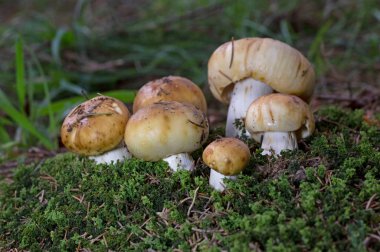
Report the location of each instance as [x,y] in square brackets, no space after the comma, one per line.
[286,32]
[4,136]
[20,74]
[30,92]
[126,96]
[5,122]
[259,29]
[56,45]
[65,85]
[315,46]
[21,119]
[52,121]
[314,52]
[8,145]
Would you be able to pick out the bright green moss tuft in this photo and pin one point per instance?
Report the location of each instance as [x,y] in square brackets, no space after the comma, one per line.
[323,197]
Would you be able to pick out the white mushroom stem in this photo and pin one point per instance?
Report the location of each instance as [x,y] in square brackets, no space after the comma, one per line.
[274,142]
[244,93]
[216,180]
[119,154]
[181,161]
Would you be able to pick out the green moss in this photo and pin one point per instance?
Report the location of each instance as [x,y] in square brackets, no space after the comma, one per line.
[323,197]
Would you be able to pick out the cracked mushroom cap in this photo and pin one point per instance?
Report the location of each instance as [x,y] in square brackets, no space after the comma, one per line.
[170,88]
[270,61]
[228,156]
[164,129]
[95,126]
[279,112]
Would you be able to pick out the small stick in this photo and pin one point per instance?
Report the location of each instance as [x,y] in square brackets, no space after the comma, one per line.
[368,205]
[225,75]
[336,98]
[210,231]
[92,241]
[232,53]
[193,202]
[196,124]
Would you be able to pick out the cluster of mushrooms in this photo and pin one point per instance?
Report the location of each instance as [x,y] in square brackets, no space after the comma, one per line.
[267,84]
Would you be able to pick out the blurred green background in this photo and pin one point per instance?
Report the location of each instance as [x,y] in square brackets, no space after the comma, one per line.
[52,52]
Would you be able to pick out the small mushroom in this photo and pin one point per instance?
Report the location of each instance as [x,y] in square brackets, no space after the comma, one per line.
[168,131]
[170,88]
[226,157]
[95,128]
[240,71]
[280,121]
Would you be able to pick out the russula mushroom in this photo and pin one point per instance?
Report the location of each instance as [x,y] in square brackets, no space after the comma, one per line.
[168,131]
[279,120]
[170,88]
[240,71]
[96,128]
[226,157]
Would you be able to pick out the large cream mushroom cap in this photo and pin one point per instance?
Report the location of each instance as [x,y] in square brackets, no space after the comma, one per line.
[170,88]
[165,128]
[279,113]
[228,156]
[95,126]
[270,61]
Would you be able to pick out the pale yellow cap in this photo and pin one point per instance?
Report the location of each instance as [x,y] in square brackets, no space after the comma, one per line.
[228,156]
[95,126]
[280,113]
[165,128]
[270,61]
[170,88]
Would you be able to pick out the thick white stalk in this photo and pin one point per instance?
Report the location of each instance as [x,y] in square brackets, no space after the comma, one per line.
[244,93]
[274,142]
[119,154]
[216,180]
[181,161]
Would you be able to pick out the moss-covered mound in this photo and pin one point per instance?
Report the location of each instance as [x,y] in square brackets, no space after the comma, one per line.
[324,197]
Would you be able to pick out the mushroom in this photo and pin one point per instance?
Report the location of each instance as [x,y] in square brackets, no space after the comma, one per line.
[168,131]
[95,128]
[240,71]
[279,120]
[226,157]
[170,88]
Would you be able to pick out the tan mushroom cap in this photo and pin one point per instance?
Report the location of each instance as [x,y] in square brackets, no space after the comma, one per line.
[165,128]
[228,156]
[95,126]
[280,113]
[270,61]
[170,88]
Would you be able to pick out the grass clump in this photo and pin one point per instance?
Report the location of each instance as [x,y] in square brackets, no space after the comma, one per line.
[322,197]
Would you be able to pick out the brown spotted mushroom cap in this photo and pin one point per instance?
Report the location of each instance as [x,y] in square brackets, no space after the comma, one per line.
[95,126]
[270,61]
[164,129]
[170,88]
[279,112]
[228,156]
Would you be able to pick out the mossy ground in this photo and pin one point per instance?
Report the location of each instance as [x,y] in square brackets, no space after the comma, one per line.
[324,197]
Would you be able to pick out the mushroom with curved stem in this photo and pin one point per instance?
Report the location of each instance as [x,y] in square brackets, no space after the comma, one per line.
[240,71]
[280,121]
[95,129]
[170,88]
[226,157]
[167,131]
